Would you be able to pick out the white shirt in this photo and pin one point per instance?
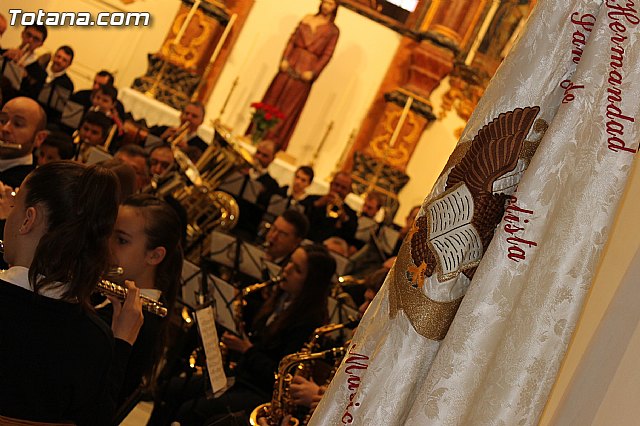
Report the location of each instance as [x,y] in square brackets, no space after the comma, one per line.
[26,160]
[53,75]
[19,276]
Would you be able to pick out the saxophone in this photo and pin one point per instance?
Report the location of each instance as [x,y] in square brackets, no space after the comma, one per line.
[297,364]
[280,405]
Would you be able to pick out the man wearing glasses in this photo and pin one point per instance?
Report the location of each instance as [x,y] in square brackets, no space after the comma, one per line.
[33,36]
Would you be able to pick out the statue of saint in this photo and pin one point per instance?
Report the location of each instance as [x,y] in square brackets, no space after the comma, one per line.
[307,53]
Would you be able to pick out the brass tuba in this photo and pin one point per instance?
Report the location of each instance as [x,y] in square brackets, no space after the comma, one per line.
[194,187]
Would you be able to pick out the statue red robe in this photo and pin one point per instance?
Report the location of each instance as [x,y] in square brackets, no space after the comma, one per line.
[305,51]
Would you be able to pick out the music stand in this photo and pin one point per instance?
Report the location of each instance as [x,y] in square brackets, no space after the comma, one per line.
[387,239]
[277,205]
[54,97]
[366,227]
[96,154]
[340,313]
[223,248]
[224,294]
[191,282]
[72,114]
[251,190]
[240,256]
[341,262]
[12,72]
[152,141]
[273,268]
[233,184]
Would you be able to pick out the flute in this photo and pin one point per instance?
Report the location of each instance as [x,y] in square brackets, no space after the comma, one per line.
[108,288]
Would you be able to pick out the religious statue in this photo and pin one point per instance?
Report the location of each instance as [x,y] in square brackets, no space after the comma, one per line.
[307,53]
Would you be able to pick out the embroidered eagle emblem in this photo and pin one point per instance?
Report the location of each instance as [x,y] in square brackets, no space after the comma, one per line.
[457,226]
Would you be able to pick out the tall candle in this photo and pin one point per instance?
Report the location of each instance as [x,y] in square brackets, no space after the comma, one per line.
[403,117]
[186,22]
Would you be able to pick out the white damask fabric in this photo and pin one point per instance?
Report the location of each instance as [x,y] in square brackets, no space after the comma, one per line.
[387,377]
[501,355]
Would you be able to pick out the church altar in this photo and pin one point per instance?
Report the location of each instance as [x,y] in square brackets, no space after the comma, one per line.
[158,113]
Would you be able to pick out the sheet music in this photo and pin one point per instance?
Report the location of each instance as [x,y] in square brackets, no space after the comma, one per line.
[72,114]
[55,97]
[273,268]
[191,279]
[339,312]
[233,184]
[12,71]
[223,249]
[95,155]
[366,226]
[223,296]
[210,342]
[252,189]
[341,262]
[252,260]
[277,205]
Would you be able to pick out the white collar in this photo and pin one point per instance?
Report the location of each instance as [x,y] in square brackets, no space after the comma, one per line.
[7,164]
[53,75]
[19,276]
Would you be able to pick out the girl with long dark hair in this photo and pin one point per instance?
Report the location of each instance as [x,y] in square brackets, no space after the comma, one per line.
[146,244]
[55,354]
[282,326]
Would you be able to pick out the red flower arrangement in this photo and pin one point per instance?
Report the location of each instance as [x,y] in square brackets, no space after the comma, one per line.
[264,118]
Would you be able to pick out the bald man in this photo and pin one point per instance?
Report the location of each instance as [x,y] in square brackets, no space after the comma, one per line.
[22,124]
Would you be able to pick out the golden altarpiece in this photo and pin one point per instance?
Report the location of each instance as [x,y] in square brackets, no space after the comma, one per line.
[463,41]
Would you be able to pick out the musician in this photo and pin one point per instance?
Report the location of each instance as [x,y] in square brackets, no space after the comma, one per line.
[146,244]
[161,159]
[372,204]
[281,327]
[33,36]
[192,116]
[93,131]
[302,178]
[306,392]
[136,157]
[57,146]
[22,122]
[322,225]
[83,97]
[367,221]
[51,74]
[285,235]
[58,360]
[251,213]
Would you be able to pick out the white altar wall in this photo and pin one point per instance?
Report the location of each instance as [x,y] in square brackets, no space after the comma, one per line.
[342,94]
[121,50]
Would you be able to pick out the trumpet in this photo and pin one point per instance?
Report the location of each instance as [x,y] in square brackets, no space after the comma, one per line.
[335,208]
[179,135]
